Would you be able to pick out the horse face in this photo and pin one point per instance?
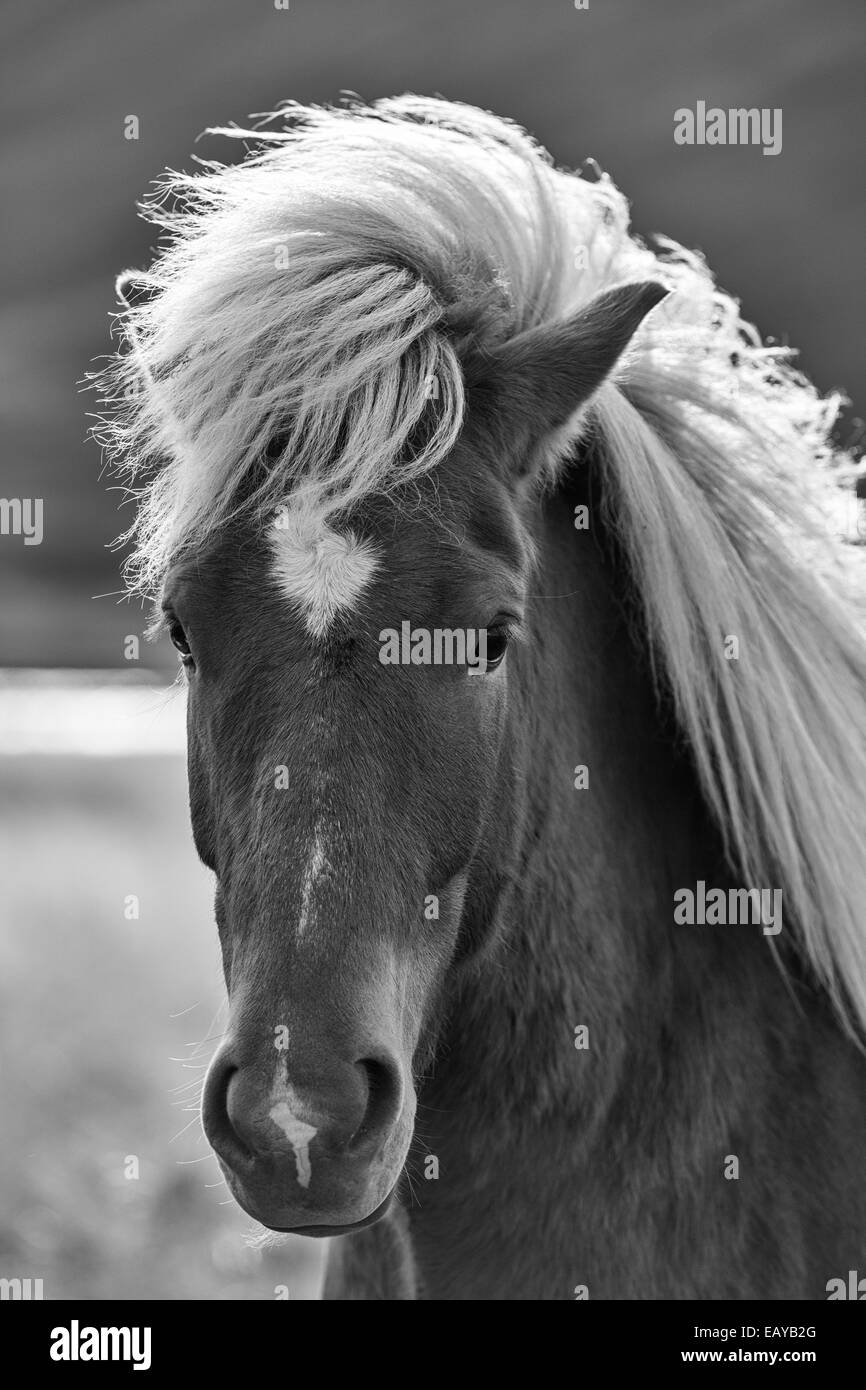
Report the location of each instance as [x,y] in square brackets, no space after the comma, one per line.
[356,808]
[357,794]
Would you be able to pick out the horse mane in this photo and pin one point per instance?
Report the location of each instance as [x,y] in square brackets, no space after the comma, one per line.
[303,303]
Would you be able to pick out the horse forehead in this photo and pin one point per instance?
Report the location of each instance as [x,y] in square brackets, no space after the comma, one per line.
[324,570]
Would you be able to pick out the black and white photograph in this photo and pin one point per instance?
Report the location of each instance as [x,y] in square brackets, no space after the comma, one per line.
[432,671]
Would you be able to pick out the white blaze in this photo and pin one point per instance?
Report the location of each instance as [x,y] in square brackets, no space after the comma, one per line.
[317,568]
[299,1134]
[315,867]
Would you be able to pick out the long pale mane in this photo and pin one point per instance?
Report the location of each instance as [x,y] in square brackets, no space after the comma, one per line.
[305,300]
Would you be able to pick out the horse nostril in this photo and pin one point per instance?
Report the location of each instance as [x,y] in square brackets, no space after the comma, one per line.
[384,1100]
[221,1133]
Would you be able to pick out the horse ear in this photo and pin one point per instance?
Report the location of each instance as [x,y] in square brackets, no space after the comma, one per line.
[526,390]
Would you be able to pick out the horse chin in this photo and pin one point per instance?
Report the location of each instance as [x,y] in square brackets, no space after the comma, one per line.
[318,1230]
[321,1232]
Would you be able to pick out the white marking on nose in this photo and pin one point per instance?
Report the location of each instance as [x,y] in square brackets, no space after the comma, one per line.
[316,864]
[299,1134]
[317,568]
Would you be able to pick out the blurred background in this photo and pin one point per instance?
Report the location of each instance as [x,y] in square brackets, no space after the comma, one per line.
[110,985]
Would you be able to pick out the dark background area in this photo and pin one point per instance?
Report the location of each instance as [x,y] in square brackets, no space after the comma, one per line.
[783,233]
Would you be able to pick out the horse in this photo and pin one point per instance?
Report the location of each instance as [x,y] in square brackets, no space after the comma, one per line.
[394,371]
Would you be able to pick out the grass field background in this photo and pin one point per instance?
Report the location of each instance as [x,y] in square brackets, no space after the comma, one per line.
[94,1010]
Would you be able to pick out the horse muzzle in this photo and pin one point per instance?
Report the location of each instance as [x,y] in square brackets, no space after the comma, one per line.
[318,1150]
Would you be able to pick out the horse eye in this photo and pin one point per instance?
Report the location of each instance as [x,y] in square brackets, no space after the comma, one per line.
[177,637]
[497,645]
